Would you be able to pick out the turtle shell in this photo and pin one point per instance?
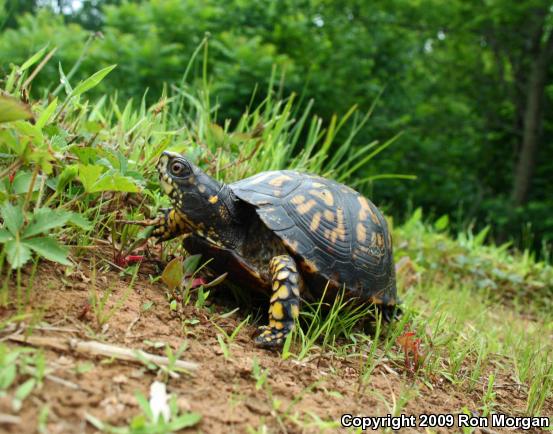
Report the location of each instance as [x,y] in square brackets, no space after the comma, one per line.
[334,233]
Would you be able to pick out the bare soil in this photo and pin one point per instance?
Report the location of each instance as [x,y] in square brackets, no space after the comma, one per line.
[222,391]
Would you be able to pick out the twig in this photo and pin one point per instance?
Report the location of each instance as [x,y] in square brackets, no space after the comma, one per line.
[38,68]
[100,349]
[12,168]
[9,419]
[149,222]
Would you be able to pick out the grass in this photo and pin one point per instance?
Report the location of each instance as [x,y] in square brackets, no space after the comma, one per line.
[478,316]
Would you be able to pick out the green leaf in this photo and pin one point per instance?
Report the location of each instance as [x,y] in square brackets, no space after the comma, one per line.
[13,217]
[31,131]
[7,375]
[25,389]
[190,264]
[184,421]
[115,182]
[47,114]
[22,182]
[33,59]
[5,235]
[48,248]
[92,81]
[17,253]
[442,223]
[144,405]
[173,274]
[64,80]
[68,174]
[80,221]
[13,110]
[45,219]
[89,174]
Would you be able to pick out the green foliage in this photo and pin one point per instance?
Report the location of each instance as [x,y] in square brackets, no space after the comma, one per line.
[447,74]
[495,270]
[147,423]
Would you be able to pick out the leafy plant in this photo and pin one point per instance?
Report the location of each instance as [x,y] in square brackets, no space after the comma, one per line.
[147,422]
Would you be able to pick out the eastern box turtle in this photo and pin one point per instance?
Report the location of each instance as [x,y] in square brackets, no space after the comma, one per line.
[285,233]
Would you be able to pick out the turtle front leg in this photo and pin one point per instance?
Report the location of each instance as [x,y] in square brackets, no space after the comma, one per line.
[285,301]
[168,225]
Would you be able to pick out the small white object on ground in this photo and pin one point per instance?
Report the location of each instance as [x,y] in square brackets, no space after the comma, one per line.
[158,401]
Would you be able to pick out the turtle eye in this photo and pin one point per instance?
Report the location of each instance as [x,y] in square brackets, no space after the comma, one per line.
[178,168]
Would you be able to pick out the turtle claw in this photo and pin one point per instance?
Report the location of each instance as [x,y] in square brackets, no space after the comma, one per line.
[272,337]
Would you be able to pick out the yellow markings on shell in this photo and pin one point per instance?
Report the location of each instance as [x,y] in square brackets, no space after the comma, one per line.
[315,222]
[201,188]
[283,275]
[366,211]
[304,208]
[277,310]
[318,184]
[213,199]
[361,232]
[297,199]
[379,240]
[279,180]
[275,285]
[295,311]
[340,227]
[325,195]
[329,215]
[260,178]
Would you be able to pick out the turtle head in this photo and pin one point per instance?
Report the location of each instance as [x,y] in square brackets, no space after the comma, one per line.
[188,186]
[203,202]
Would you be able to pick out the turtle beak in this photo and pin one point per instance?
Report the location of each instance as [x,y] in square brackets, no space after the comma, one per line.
[164,178]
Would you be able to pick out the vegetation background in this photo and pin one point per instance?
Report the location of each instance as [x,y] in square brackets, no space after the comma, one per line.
[467,82]
[438,111]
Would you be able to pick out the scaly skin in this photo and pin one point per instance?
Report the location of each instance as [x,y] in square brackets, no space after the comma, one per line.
[284,302]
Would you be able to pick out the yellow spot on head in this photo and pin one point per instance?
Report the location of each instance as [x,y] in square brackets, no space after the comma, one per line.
[213,199]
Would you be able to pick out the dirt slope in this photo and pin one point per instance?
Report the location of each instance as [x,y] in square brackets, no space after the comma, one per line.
[222,391]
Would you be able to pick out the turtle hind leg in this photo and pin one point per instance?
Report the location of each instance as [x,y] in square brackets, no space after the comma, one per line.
[285,302]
